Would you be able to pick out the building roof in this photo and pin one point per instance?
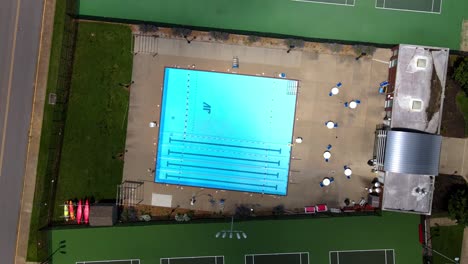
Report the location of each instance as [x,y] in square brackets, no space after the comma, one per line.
[408,193]
[412,153]
[419,88]
[102,215]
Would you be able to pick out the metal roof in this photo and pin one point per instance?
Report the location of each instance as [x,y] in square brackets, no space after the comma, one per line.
[412,153]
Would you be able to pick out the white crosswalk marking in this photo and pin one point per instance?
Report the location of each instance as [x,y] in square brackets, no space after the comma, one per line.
[145,44]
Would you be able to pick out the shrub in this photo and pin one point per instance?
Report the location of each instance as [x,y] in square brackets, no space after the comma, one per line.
[460,73]
[369,50]
[334,47]
[253,39]
[219,35]
[294,43]
[147,28]
[181,32]
[458,206]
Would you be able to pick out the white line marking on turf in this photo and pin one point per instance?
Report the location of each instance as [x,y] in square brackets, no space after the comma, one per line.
[325,3]
[107,261]
[362,250]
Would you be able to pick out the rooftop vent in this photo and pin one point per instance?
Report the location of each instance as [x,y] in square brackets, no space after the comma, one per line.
[421,63]
[416,105]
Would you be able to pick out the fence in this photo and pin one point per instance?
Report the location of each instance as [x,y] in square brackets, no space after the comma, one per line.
[59,113]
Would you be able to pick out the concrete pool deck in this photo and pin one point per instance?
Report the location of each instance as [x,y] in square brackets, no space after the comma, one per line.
[352,141]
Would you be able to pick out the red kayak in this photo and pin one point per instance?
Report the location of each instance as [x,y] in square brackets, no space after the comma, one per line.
[79,212]
[86,212]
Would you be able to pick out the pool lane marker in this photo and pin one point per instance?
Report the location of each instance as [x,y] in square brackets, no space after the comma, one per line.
[222,145]
[223,169]
[214,180]
[169,152]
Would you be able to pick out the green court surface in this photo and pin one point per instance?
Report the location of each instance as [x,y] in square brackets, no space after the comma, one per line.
[361,22]
[318,237]
[384,256]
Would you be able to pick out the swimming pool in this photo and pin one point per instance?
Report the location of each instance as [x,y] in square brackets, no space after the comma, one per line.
[226,131]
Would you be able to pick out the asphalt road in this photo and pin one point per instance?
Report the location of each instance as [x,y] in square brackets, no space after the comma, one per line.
[20,26]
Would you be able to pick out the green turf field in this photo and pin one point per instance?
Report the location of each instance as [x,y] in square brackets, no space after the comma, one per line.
[97,114]
[448,241]
[363,22]
[317,237]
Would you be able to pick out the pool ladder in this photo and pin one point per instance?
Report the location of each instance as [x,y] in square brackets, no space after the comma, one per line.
[292,88]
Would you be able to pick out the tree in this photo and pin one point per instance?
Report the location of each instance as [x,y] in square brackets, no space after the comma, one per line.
[461,73]
[458,206]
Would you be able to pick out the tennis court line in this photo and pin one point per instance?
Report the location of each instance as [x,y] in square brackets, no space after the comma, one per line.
[108,261]
[277,254]
[325,3]
[408,10]
[362,250]
[195,257]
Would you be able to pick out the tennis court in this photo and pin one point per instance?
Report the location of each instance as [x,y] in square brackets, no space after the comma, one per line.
[194,260]
[118,261]
[278,258]
[330,2]
[424,6]
[377,256]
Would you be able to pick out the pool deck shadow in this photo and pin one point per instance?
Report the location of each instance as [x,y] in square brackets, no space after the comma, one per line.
[352,141]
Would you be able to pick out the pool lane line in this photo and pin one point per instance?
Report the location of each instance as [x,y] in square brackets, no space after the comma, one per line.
[222,145]
[214,168]
[222,157]
[213,180]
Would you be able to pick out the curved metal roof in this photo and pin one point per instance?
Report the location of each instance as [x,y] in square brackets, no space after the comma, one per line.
[412,153]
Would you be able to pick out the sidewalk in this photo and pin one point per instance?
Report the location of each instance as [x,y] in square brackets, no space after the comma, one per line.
[35,131]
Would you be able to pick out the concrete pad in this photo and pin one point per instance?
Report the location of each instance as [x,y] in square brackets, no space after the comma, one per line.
[162,200]
[352,141]
[453,156]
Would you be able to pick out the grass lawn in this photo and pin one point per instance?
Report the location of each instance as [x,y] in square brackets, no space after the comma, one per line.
[448,242]
[316,236]
[96,123]
[97,114]
[39,212]
[462,102]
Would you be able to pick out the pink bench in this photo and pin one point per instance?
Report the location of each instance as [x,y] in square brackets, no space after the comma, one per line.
[321,208]
[309,209]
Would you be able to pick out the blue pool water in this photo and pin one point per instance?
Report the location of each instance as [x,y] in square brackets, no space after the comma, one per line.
[226,131]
